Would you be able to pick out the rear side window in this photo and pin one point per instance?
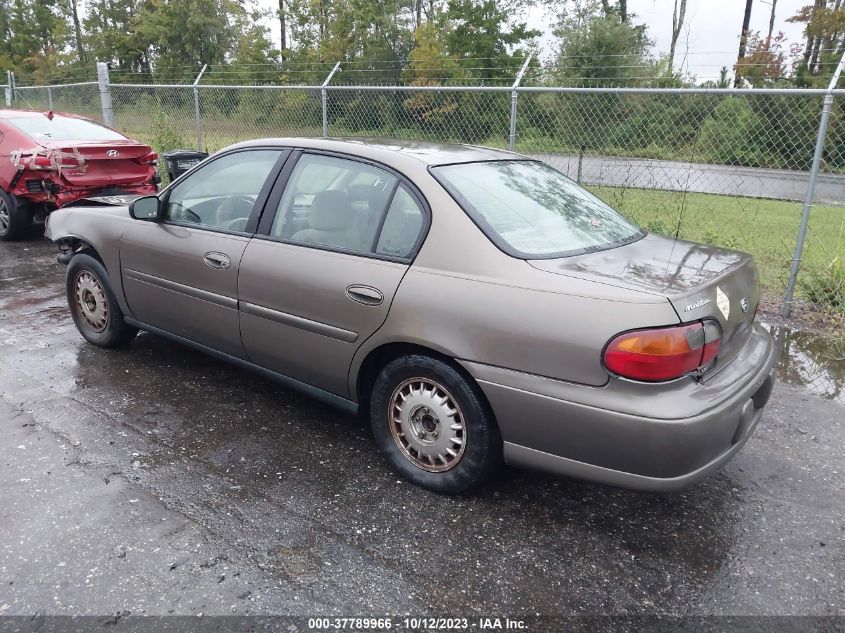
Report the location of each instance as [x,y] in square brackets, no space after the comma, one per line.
[402,225]
[62,128]
[532,211]
[349,205]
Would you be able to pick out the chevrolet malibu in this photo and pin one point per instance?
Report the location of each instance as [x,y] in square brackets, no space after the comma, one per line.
[476,304]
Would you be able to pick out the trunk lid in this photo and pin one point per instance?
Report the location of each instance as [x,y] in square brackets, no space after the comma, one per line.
[699,280]
[100,164]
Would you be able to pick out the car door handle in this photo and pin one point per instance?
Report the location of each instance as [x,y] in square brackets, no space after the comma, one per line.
[365,294]
[217,260]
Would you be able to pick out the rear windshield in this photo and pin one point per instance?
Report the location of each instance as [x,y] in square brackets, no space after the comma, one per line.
[62,128]
[532,211]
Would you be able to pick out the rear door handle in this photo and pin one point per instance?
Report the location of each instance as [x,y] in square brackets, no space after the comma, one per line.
[217,260]
[365,294]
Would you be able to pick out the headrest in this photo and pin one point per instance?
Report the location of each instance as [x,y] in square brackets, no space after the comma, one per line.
[331,211]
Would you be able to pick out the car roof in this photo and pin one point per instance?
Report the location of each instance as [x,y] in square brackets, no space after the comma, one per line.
[386,150]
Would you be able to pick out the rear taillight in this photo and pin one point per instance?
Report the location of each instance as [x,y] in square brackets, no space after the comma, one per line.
[148,159]
[660,354]
[41,162]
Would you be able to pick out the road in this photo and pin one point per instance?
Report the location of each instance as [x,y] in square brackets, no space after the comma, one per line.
[642,173]
[154,480]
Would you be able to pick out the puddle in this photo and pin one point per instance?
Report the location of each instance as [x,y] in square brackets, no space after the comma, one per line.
[813,361]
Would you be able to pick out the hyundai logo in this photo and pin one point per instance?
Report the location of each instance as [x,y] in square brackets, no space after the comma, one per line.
[112,153]
[744,304]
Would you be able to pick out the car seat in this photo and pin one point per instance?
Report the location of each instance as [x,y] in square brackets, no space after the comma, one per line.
[329,221]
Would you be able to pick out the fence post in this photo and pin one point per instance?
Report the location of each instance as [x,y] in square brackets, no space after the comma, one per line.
[197,121]
[811,192]
[323,96]
[13,88]
[8,88]
[50,98]
[105,93]
[514,97]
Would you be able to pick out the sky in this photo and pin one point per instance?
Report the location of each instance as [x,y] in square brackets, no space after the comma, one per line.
[709,40]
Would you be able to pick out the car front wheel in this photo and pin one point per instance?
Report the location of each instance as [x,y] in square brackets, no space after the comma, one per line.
[433,425]
[94,308]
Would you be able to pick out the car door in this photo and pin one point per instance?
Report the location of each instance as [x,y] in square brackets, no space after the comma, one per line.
[180,273]
[317,280]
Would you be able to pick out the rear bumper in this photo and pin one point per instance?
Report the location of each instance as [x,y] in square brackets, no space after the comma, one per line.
[66,194]
[633,435]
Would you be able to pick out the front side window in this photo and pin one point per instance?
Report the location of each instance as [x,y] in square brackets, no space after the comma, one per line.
[63,128]
[533,211]
[334,202]
[221,194]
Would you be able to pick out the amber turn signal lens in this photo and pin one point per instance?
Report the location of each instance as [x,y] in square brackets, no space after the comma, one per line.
[661,354]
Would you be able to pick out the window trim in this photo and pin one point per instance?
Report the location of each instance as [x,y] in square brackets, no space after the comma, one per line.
[281,184]
[260,201]
[491,234]
[383,218]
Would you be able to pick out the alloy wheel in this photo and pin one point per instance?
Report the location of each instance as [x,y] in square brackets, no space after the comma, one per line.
[427,425]
[4,218]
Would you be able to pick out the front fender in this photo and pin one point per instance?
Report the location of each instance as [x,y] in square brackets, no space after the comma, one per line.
[96,229]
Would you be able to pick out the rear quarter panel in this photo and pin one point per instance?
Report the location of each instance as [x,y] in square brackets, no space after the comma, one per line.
[11,140]
[465,298]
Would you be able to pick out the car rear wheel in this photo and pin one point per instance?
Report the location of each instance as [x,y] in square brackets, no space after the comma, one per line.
[433,425]
[14,219]
[94,308]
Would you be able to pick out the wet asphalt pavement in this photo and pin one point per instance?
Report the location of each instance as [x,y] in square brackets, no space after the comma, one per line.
[156,480]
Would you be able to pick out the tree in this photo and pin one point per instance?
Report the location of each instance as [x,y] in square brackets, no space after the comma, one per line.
[772,20]
[35,38]
[69,9]
[596,47]
[620,10]
[678,14]
[765,60]
[111,34]
[205,34]
[484,30]
[284,30]
[743,40]
[824,26]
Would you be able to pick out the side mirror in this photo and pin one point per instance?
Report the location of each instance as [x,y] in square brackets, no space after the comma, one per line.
[145,208]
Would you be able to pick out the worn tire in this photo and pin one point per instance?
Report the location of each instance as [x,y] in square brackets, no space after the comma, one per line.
[87,281]
[15,220]
[482,452]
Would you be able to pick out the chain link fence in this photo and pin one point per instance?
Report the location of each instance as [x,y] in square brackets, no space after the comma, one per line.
[726,167]
[79,98]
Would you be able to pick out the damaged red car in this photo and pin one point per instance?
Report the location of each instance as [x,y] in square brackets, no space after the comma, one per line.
[49,160]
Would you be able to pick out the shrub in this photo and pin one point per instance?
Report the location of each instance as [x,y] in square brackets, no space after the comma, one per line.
[164,138]
[731,136]
[825,288]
